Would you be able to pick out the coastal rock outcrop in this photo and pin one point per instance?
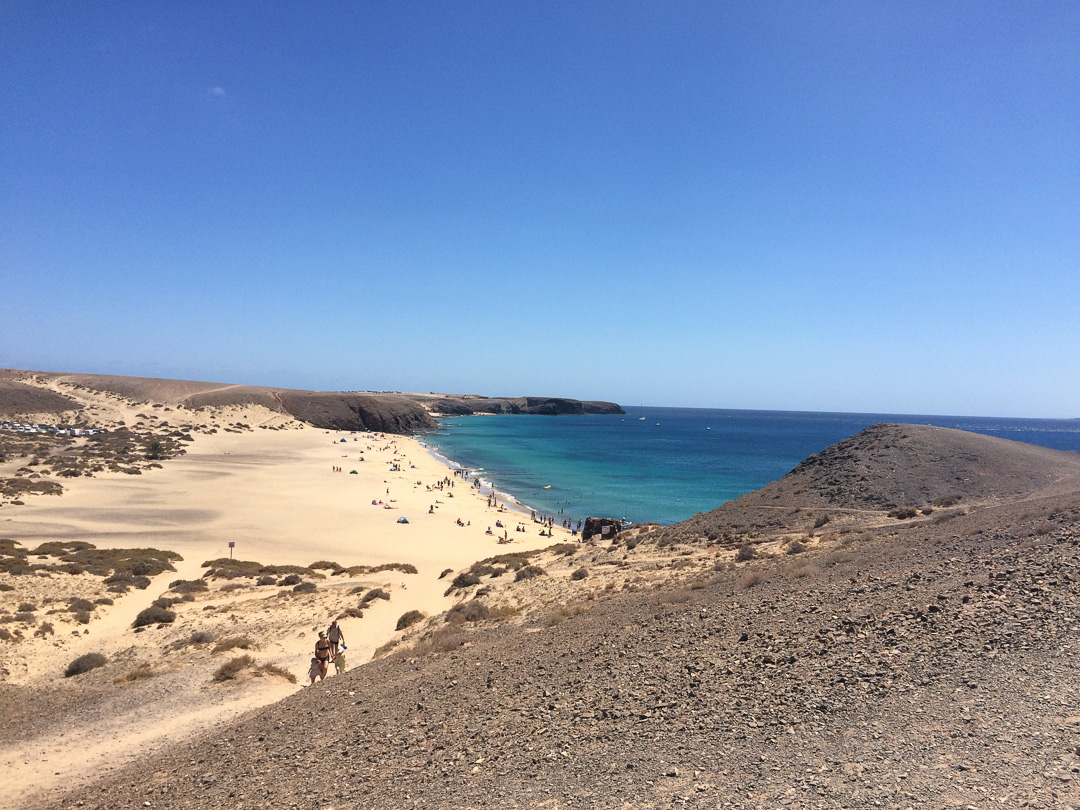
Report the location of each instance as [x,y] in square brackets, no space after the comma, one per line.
[538,406]
[386,414]
[601,528]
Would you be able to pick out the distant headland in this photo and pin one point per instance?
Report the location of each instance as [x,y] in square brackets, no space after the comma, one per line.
[46,394]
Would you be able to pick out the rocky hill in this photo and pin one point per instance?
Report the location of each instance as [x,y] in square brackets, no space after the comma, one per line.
[17,399]
[757,656]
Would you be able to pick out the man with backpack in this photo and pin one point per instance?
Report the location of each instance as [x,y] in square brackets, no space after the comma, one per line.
[337,638]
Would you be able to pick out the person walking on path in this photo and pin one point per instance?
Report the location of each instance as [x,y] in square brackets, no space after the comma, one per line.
[336,637]
[322,653]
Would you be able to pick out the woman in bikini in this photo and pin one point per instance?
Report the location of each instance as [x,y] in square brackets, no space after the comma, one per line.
[322,652]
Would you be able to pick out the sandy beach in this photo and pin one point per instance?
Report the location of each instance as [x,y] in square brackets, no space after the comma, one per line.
[284,497]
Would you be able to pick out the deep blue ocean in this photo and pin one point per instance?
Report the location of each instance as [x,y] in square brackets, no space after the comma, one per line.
[675,461]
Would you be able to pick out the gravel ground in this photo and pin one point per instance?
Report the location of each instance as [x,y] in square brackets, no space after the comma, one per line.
[898,663]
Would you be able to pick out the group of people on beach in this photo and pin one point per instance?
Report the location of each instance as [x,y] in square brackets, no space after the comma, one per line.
[330,647]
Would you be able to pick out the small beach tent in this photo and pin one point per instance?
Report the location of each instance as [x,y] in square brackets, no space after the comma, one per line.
[402,520]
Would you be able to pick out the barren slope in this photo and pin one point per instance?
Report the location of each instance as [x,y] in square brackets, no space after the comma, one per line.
[897,662]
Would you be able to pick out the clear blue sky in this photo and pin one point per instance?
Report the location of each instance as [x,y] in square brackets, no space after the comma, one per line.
[851,206]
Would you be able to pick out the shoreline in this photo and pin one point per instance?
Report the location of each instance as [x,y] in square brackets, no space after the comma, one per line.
[507,498]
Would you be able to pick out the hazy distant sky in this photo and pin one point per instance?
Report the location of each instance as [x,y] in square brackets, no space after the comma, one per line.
[850,206]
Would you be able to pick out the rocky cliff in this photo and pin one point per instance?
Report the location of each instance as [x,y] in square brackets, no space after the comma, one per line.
[541,406]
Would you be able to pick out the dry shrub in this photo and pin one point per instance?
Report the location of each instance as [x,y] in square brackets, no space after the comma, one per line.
[445,639]
[837,558]
[581,573]
[796,548]
[44,629]
[801,570]
[233,643]
[77,603]
[466,579]
[274,669]
[141,672]
[154,615]
[471,611]
[188,586]
[386,648]
[372,595]
[125,581]
[291,579]
[749,580]
[745,553]
[904,513]
[231,668]
[947,500]
[528,572]
[351,613]
[405,568]
[444,573]
[500,612]
[306,587]
[266,580]
[85,663]
[326,564]
[409,619]
[676,597]
[562,612]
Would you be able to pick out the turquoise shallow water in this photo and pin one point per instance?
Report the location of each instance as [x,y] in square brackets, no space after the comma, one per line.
[676,461]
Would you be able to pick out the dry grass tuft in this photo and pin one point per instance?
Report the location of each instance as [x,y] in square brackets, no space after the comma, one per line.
[749,580]
[563,612]
[233,643]
[231,668]
[274,669]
